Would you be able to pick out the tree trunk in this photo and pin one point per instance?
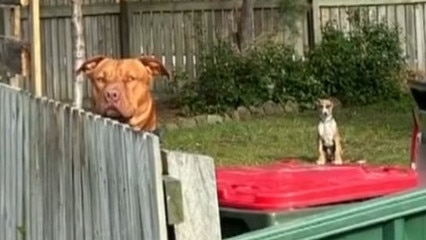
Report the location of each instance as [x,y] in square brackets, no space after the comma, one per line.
[79,51]
[245,26]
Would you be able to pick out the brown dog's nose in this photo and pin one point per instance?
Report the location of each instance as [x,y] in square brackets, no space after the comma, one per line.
[112,95]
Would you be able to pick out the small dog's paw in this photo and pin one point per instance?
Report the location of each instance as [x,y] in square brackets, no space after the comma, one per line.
[338,161]
[321,161]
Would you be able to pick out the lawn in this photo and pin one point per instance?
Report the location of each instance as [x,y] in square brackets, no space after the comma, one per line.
[377,133]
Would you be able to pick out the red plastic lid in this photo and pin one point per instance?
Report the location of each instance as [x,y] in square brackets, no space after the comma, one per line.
[292,184]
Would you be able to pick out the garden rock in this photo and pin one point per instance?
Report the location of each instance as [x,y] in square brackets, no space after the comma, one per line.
[201,119]
[256,111]
[243,112]
[187,123]
[235,115]
[171,126]
[226,117]
[269,108]
[291,107]
[213,119]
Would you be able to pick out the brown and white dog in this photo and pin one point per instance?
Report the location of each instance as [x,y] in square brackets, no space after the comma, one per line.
[122,89]
[329,142]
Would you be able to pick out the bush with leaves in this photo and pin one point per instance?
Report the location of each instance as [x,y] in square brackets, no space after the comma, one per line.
[228,79]
[359,67]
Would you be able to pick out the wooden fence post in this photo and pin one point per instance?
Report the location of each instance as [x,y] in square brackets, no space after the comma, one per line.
[124,28]
[36,48]
[197,177]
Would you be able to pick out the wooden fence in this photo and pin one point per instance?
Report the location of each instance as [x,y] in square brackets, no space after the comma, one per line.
[177,31]
[69,174]
[408,15]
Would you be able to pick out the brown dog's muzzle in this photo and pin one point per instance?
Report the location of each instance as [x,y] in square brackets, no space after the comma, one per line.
[114,103]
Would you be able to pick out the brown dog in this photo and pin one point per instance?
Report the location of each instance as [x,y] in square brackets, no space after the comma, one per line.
[122,89]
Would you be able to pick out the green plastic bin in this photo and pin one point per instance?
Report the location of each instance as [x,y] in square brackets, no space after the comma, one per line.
[238,221]
[395,217]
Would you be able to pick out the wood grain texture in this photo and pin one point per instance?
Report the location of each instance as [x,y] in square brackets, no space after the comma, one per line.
[66,174]
[200,203]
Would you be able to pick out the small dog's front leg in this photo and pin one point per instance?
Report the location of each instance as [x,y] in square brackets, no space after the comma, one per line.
[338,152]
[321,158]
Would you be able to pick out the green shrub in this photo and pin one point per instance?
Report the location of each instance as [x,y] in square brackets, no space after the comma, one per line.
[228,79]
[360,67]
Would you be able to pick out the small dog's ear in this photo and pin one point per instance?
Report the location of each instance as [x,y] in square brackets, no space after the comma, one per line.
[336,102]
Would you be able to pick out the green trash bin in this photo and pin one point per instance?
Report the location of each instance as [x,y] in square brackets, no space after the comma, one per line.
[235,222]
[396,217]
[253,198]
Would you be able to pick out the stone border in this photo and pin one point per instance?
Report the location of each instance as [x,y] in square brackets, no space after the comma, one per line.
[269,108]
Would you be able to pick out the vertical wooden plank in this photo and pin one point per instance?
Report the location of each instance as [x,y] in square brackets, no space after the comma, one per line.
[50,53]
[143,32]
[325,16]
[36,219]
[65,147]
[88,32]
[420,36]
[120,153]
[257,22]
[25,115]
[400,20]
[93,178]
[178,39]
[19,176]
[9,166]
[114,194]
[150,174]
[85,178]
[168,38]
[50,174]
[3,161]
[77,140]
[102,180]
[189,43]
[69,79]
[62,85]
[411,34]
[200,203]
[134,214]
[381,14]
[334,16]
[391,15]
[158,45]
[316,15]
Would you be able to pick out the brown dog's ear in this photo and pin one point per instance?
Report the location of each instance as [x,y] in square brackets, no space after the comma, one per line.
[155,65]
[90,64]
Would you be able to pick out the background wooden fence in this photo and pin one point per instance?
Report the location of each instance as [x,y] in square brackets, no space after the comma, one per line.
[177,31]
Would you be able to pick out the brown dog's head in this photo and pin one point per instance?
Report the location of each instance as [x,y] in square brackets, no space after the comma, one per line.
[121,87]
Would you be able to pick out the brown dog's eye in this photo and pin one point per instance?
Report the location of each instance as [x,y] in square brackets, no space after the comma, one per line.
[100,79]
[328,106]
[130,79]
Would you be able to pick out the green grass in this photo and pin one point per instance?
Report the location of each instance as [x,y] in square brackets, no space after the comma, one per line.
[378,133]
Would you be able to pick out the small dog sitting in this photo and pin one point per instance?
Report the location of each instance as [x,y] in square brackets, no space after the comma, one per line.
[329,145]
